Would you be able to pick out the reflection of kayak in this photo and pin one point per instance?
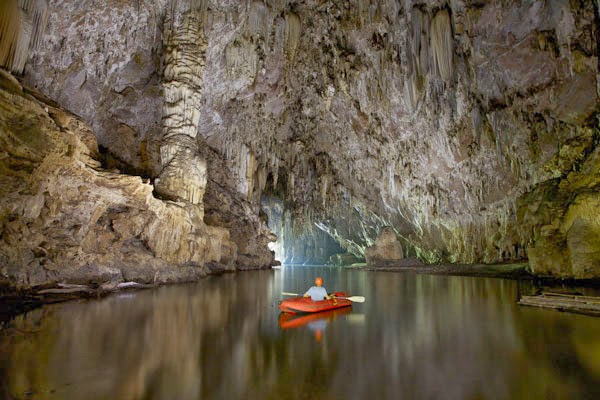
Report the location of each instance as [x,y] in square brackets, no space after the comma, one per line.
[298,305]
[289,320]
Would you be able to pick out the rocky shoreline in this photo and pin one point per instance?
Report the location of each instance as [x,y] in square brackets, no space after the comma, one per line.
[15,301]
[507,271]
[503,271]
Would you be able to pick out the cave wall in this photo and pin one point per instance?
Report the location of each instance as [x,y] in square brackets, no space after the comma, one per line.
[433,119]
[437,118]
[66,218]
[103,62]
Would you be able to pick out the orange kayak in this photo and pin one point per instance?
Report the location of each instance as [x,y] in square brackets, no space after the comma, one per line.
[300,304]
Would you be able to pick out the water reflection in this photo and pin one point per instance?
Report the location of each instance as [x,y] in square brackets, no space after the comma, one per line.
[316,322]
[416,336]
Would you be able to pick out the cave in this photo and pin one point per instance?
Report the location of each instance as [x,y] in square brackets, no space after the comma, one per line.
[468,130]
[164,141]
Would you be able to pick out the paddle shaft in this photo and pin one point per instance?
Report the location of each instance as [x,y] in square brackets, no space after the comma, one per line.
[355,299]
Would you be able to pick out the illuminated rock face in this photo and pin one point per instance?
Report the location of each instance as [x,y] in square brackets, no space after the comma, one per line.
[65,219]
[452,122]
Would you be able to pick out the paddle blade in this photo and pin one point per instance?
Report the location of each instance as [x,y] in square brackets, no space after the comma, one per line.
[289,294]
[356,299]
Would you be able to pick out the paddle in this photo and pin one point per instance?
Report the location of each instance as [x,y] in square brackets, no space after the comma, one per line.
[355,299]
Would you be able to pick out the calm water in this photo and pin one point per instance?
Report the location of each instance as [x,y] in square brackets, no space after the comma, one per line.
[416,337]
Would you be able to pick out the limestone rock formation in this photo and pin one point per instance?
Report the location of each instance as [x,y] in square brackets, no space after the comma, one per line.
[454,122]
[562,215]
[225,207]
[386,249]
[102,61]
[183,174]
[65,219]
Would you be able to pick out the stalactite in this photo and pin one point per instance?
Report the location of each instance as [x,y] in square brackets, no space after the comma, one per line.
[37,11]
[418,61]
[275,171]
[293,29]
[259,21]
[442,45]
[262,178]
[420,41]
[10,26]
[22,28]
[324,188]
[185,47]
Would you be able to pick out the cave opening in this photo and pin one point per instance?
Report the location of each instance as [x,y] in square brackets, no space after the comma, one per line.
[300,239]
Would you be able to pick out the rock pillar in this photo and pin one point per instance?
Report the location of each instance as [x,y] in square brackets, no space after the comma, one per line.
[183,176]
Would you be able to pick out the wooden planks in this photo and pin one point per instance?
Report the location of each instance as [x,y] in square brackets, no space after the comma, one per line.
[587,305]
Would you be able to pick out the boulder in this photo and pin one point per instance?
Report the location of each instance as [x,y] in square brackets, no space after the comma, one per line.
[386,249]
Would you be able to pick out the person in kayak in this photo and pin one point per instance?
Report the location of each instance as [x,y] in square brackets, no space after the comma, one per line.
[317,292]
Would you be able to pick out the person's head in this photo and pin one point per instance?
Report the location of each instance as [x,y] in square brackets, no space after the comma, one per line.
[319,281]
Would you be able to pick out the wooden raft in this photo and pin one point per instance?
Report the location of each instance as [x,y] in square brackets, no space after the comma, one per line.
[587,305]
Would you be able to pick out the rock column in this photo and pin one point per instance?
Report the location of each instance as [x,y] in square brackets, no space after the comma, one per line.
[183,176]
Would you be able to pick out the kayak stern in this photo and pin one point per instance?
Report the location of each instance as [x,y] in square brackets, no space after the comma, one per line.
[303,305]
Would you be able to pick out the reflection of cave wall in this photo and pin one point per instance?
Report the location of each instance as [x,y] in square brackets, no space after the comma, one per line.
[180,331]
[301,244]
